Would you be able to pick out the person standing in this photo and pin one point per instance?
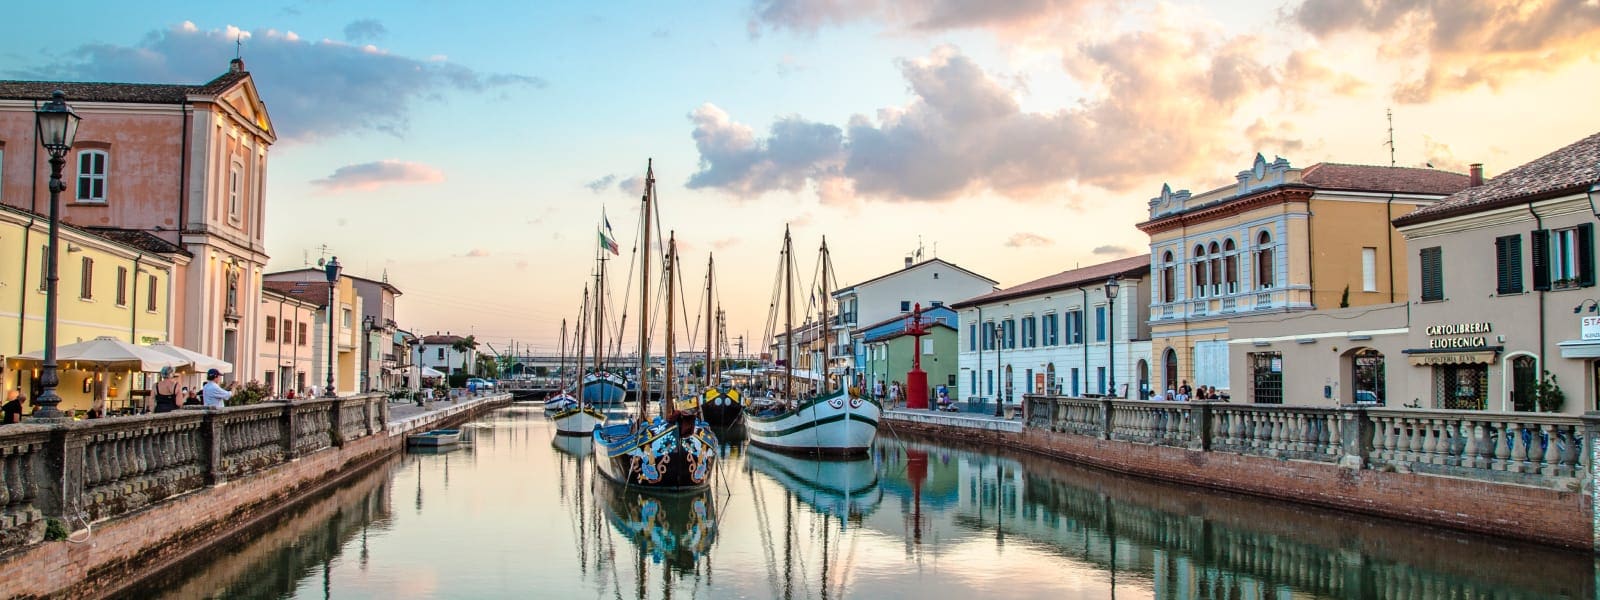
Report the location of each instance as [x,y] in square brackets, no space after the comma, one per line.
[212,395]
[166,391]
[11,411]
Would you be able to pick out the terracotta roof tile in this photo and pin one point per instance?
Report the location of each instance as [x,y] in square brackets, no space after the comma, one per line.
[315,292]
[140,239]
[1093,274]
[1569,170]
[1372,178]
[146,93]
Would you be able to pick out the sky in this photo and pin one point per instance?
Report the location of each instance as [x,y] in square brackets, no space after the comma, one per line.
[467,150]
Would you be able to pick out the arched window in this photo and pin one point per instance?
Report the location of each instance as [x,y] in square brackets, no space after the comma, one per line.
[1216,268]
[1367,373]
[1200,271]
[1524,378]
[1264,264]
[92,176]
[1169,279]
[1230,266]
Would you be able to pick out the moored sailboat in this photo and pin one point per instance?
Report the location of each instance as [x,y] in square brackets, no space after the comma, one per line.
[579,417]
[832,422]
[717,404]
[674,451]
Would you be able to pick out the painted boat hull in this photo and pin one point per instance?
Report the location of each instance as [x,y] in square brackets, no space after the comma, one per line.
[842,488]
[676,530]
[437,437]
[833,424]
[660,457]
[603,389]
[720,408]
[560,402]
[577,420]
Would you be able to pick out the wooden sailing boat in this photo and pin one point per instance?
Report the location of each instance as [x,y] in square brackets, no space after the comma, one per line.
[675,451]
[718,404]
[833,422]
[561,400]
[579,417]
[600,386]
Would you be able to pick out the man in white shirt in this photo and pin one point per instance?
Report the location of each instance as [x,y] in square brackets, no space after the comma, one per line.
[211,393]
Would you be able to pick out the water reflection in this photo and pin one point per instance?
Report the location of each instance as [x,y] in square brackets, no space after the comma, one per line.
[521,513]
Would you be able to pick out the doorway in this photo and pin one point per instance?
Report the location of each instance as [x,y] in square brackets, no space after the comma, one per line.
[1169,367]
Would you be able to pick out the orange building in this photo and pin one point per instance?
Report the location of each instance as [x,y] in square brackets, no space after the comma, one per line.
[184,163]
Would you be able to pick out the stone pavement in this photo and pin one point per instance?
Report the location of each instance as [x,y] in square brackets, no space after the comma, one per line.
[405,417]
[953,419]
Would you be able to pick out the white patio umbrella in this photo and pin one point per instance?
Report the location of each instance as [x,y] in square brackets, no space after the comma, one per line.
[103,353]
[200,362]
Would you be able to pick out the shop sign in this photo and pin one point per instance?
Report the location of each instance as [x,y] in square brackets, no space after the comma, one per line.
[1590,326]
[1460,335]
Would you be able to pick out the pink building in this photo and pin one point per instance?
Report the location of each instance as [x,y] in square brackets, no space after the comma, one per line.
[183,163]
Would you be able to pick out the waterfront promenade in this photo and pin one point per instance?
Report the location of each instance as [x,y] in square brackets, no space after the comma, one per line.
[1521,476]
[131,495]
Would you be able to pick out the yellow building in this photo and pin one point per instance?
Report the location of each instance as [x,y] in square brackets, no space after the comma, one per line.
[115,284]
[1279,239]
[312,287]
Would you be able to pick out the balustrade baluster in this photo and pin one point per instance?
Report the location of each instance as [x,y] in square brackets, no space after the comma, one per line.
[1519,449]
[1472,434]
[7,475]
[1539,450]
[1414,437]
[1569,451]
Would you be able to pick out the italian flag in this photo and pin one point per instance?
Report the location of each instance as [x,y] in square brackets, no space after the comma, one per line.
[607,243]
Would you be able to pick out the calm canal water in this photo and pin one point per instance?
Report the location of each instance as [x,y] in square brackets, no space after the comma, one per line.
[519,513]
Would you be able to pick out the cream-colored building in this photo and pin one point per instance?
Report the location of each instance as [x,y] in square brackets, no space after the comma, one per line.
[345,313]
[1278,240]
[287,356]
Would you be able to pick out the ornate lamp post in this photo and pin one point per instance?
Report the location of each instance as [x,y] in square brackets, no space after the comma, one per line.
[331,270]
[55,125]
[1000,369]
[1111,346]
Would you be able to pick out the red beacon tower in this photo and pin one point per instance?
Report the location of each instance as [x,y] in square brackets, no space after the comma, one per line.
[916,380]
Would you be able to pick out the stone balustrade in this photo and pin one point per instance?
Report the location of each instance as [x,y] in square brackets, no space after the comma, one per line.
[1521,448]
[86,471]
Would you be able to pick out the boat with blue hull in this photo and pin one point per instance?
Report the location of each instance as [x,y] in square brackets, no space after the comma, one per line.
[674,451]
[603,388]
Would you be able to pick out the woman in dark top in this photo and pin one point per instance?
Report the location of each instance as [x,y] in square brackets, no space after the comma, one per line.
[166,391]
[11,411]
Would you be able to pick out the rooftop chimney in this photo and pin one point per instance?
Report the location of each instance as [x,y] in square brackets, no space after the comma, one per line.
[1477,174]
[908,262]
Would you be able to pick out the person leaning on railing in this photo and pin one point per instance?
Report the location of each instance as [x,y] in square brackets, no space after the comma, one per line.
[11,411]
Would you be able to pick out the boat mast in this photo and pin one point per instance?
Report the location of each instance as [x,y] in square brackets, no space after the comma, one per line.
[644,291]
[562,365]
[711,342]
[827,384]
[788,320]
[667,405]
[580,342]
[599,312]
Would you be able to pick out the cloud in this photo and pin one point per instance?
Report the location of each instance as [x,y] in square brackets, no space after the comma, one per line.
[366,177]
[1463,44]
[364,30]
[1438,155]
[600,185]
[1027,240]
[521,264]
[1111,250]
[724,243]
[314,89]
[632,186]
[1012,16]
[477,253]
[965,132]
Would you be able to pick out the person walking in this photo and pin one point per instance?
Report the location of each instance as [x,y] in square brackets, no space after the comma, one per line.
[212,395]
[166,391]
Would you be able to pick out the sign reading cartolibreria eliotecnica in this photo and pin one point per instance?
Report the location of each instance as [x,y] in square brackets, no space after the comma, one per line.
[1459,335]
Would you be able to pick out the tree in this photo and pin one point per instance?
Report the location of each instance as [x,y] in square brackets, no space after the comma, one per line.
[464,346]
[488,367]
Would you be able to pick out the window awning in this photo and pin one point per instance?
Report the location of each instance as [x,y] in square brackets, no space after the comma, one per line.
[1423,357]
[1580,349]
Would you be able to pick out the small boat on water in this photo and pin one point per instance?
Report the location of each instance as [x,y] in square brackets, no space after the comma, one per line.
[559,402]
[575,416]
[434,438]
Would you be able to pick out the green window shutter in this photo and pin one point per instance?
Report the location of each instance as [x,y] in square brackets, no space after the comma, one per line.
[1432,274]
[1539,242]
[1586,255]
[1508,264]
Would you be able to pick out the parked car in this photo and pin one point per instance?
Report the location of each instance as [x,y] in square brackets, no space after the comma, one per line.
[1366,397]
[480,383]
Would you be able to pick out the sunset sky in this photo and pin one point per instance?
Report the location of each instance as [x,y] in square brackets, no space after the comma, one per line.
[468,152]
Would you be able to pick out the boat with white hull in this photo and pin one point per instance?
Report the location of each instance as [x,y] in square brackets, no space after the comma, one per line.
[835,424]
[577,420]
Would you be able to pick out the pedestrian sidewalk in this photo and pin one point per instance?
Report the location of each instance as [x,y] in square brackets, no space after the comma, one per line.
[952,419]
[407,417]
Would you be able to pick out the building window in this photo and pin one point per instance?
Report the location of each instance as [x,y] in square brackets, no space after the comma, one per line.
[1432,274]
[987,339]
[1369,269]
[1075,388]
[1200,271]
[1216,269]
[905,306]
[1030,331]
[272,329]
[344,317]
[300,333]
[1075,327]
[1100,379]
[86,288]
[122,286]
[972,337]
[1265,273]
[1011,334]
[1099,323]
[1169,279]
[1508,264]
[1461,387]
[235,189]
[150,294]
[935,303]
[1366,369]
[92,176]
[1563,258]
[1052,329]
[441,353]
[989,381]
[1266,377]
[1230,266]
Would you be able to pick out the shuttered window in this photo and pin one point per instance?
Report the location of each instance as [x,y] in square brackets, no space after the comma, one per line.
[1540,242]
[1585,252]
[1432,274]
[1508,264]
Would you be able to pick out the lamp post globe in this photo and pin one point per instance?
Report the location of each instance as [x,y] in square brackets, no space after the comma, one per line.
[55,126]
[1111,289]
[331,270]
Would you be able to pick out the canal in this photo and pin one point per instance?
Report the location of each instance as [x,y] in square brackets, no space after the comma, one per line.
[519,512]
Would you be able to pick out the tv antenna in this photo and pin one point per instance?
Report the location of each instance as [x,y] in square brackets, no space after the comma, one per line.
[1389,112]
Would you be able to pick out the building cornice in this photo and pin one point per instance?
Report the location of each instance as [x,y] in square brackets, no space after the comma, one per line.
[1279,195]
[1552,207]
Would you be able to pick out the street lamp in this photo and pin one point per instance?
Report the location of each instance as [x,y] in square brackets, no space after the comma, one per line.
[1111,345]
[999,368]
[331,270]
[55,125]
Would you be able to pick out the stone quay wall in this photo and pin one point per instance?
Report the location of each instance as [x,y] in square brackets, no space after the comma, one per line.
[140,493]
[1520,476]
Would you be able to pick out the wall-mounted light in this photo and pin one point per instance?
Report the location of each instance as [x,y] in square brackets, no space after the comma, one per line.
[1359,338]
[71,248]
